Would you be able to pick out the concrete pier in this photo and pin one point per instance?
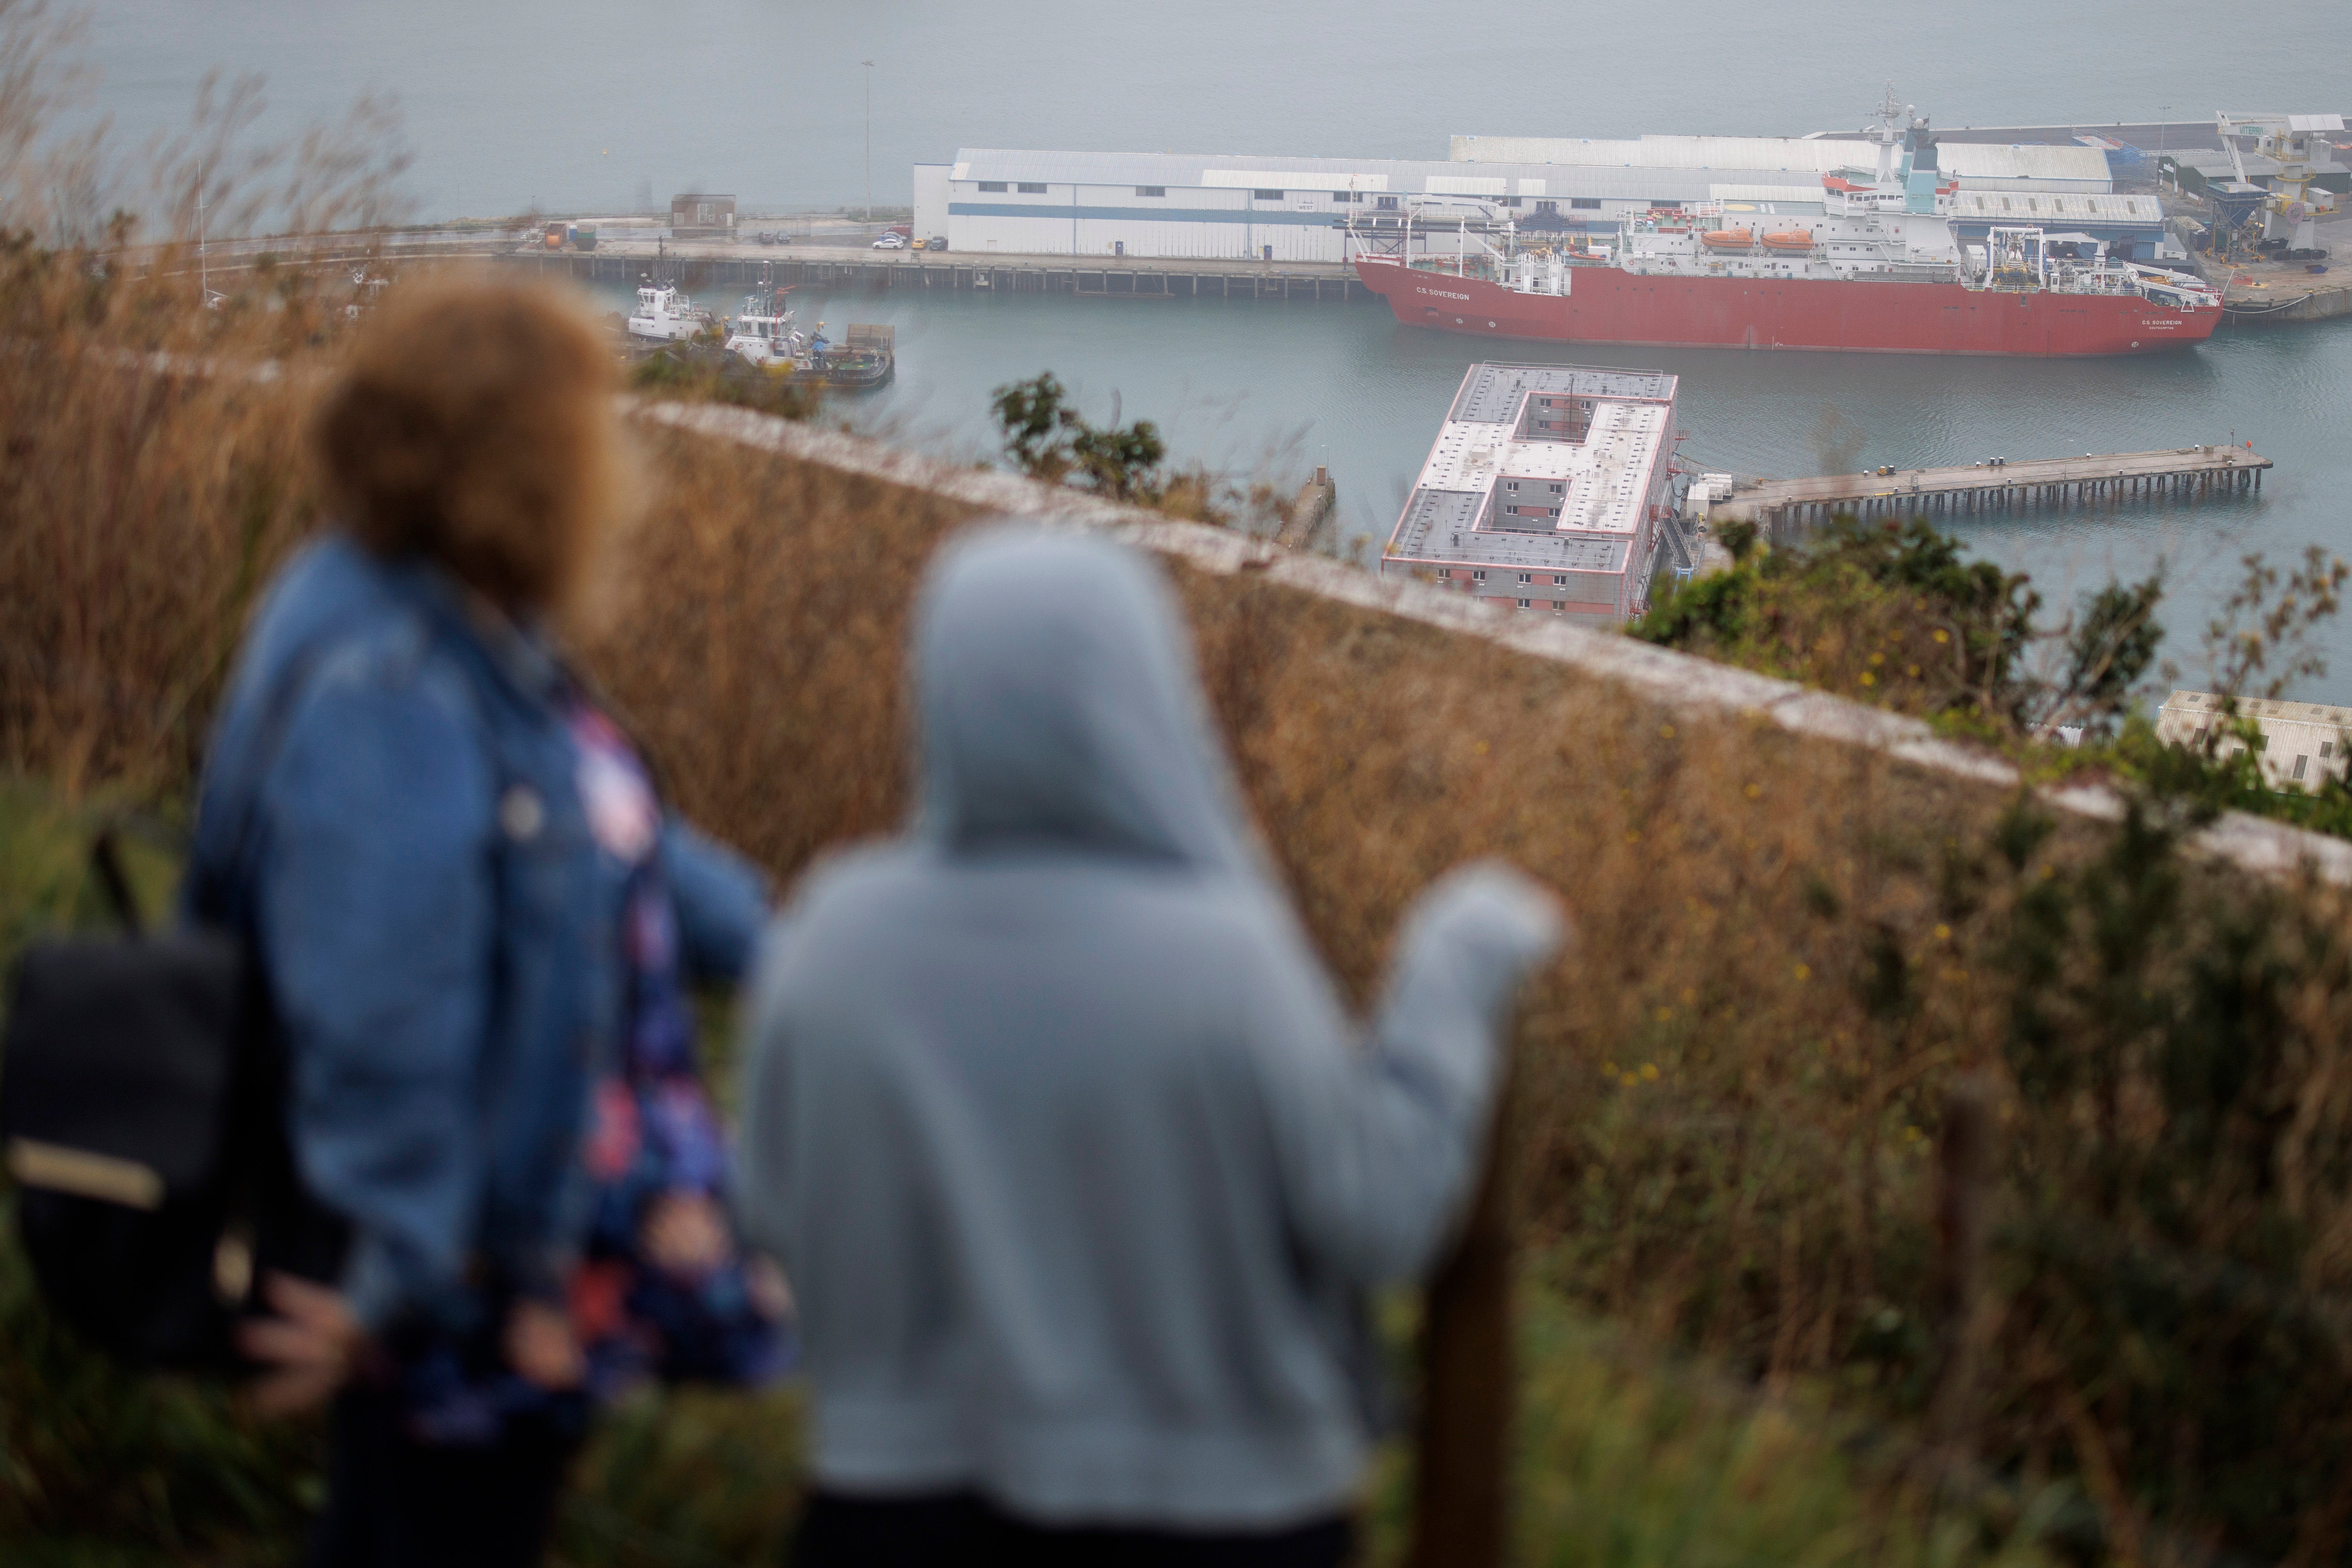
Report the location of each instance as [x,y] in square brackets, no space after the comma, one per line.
[696,268]
[2188,473]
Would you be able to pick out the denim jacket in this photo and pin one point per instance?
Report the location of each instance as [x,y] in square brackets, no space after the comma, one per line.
[390,811]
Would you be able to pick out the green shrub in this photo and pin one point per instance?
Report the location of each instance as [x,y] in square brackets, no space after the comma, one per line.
[2173,1239]
[704,371]
[1890,615]
[1046,437]
[1631,1457]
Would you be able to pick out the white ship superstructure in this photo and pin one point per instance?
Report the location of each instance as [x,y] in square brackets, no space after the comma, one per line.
[763,335]
[664,315]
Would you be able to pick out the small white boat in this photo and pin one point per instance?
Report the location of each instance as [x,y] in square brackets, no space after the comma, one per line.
[664,315]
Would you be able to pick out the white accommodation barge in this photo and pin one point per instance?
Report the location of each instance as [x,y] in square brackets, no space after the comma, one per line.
[1546,491]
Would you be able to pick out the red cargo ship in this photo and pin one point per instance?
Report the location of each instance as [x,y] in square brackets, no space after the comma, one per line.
[1875,266]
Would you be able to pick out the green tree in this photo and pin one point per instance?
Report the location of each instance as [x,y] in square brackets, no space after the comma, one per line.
[1048,439]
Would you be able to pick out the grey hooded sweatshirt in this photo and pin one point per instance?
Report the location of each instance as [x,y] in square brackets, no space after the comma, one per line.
[1077,1166]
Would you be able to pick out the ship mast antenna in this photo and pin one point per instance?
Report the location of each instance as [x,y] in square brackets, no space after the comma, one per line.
[1888,132]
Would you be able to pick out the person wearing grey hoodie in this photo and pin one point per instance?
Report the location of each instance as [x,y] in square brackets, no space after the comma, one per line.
[1079,1169]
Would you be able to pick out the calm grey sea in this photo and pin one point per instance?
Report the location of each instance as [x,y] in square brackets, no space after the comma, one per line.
[593,105]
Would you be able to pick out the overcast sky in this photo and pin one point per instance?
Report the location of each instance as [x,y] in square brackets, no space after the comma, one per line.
[591,104]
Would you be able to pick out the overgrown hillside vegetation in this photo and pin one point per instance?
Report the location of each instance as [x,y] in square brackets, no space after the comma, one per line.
[1730,1089]
[1897,617]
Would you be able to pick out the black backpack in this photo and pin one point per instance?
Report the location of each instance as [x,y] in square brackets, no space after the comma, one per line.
[142,1116]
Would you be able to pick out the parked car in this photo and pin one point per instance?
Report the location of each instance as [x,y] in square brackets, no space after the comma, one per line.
[939,242]
[766,236]
[891,242]
[919,245]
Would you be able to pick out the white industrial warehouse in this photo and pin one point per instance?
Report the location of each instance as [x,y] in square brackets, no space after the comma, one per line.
[1213,207]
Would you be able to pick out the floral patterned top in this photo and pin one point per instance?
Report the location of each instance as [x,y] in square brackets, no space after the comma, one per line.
[663,1291]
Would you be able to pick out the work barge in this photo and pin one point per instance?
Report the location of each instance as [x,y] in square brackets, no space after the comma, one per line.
[1785,506]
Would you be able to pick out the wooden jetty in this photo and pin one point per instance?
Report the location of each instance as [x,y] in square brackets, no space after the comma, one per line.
[1307,521]
[2116,478]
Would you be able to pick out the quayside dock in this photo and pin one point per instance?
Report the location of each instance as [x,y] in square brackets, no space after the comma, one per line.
[694,267]
[2114,479]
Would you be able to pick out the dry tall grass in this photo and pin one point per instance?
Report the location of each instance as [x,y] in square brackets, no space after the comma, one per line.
[140,506]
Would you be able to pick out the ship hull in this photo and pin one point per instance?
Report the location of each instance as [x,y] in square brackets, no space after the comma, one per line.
[1606,304]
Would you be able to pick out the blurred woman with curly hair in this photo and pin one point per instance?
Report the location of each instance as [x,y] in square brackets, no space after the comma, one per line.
[476,920]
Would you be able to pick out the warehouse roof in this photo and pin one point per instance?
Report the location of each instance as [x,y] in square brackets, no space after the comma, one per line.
[1667,174]
[2004,206]
[1966,159]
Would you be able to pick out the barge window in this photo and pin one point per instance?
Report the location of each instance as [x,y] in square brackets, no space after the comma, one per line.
[1267,195]
[991,184]
[1388,204]
[1152,189]
[1029,188]
[1588,204]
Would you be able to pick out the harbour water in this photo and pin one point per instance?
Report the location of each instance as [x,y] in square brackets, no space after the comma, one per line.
[597,105]
[1272,390]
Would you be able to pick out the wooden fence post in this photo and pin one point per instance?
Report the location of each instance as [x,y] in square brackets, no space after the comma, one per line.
[1462,1428]
[1964,1173]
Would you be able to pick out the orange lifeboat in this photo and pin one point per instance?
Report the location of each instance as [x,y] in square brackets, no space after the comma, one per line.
[1790,239]
[1726,239]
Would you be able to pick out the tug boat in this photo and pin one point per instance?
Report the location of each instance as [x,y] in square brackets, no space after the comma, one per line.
[664,315]
[762,336]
